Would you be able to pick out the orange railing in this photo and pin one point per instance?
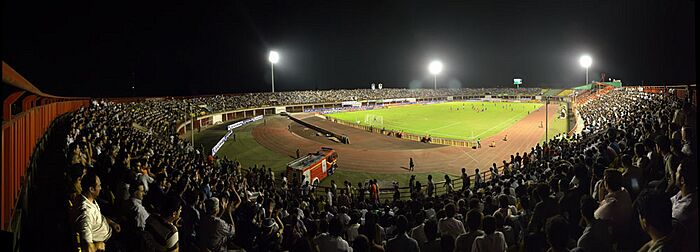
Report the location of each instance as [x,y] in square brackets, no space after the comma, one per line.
[27,116]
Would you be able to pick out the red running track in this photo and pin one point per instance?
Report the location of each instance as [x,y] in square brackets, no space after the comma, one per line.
[372,152]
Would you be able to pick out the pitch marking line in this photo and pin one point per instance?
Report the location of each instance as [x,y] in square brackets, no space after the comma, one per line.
[446,126]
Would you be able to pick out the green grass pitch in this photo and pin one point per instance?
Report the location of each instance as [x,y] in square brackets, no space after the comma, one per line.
[455,120]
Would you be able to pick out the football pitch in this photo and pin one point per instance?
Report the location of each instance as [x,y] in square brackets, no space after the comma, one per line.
[455,120]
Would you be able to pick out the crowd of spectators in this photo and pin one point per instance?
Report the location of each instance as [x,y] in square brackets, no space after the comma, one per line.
[629,183]
[162,115]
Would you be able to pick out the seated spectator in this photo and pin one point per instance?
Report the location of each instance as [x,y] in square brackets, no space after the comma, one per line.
[655,217]
[93,227]
[402,242]
[491,240]
[464,241]
[596,235]
[161,233]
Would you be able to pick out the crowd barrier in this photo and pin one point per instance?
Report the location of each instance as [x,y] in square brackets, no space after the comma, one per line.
[387,192]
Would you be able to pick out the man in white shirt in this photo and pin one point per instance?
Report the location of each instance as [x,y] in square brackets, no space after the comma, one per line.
[492,240]
[94,228]
[136,212]
[685,203]
[418,232]
[449,225]
[333,240]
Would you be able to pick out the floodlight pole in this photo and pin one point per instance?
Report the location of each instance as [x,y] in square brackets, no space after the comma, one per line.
[435,83]
[192,121]
[586,75]
[272,65]
[546,118]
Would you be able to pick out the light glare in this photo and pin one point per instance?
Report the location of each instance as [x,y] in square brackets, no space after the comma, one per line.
[585,61]
[274,57]
[435,67]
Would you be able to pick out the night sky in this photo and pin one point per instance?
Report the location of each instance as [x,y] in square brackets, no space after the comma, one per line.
[99,48]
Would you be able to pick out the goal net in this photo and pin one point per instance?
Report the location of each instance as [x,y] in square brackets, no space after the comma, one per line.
[374,120]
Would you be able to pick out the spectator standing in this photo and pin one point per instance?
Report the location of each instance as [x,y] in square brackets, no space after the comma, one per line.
[161,233]
[214,233]
[477,179]
[464,242]
[94,228]
[333,240]
[685,203]
[449,225]
[432,242]
[547,207]
[557,230]
[596,234]
[466,181]
[136,213]
[431,186]
[616,205]
[492,240]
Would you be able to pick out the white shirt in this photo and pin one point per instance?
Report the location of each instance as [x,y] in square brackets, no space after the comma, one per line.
[138,212]
[353,232]
[92,225]
[418,233]
[495,242]
[145,180]
[327,242]
[451,226]
[685,209]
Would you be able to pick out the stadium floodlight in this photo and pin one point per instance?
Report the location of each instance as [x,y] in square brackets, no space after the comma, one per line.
[274,58]
[435,68]
[585,62]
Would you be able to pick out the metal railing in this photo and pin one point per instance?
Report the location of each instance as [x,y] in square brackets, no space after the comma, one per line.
[22,132]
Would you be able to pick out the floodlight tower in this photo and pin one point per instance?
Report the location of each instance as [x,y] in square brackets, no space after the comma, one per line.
[585,62]
[274,58]
[435,68]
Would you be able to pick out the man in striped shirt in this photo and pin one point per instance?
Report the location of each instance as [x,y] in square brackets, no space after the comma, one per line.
[161,233]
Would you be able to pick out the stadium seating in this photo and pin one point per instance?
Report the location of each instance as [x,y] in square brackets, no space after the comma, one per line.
[528,196]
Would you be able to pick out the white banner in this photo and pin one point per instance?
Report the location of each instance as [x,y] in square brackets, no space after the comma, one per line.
[351,103]
[244,122]
[220,143]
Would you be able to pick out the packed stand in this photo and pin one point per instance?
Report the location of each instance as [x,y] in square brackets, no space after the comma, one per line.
[629,183]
